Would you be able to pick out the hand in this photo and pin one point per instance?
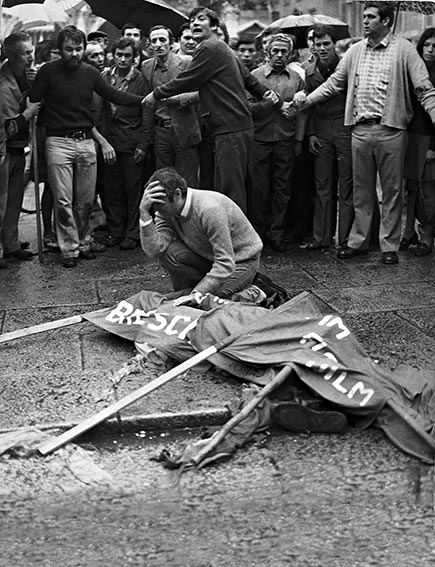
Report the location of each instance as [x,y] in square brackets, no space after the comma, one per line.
[288,110]
[31,73]
[194,298]
[430,155]
[149,101]
[298,148]
[154,194]
[314,145]
[271,97]
[109,154]
[299,100]
[31,110]
[139,155]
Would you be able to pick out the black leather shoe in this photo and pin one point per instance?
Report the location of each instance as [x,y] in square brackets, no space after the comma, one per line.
[302,419]
[347,252]
[87,255]
[69,262]
[405,243]
[423,249]
[390,258]
[20,254]
[316,246]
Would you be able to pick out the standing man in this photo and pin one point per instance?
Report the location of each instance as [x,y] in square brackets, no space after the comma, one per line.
[17,113]
[187,44]
[175,123]
[126,131]
[378,73]
[330,143]
[134,32]
[277,141]
[246,52]
[66,87]
[217,74]
[201,237]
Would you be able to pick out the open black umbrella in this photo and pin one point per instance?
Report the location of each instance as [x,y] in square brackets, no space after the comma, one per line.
[298,26]
[146,13]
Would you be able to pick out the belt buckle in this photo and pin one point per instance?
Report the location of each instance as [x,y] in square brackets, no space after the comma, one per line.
[78,136]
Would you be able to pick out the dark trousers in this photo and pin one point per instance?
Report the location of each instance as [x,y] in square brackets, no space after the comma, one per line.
[271,187]
[232,155]
[169,153]
[122,193]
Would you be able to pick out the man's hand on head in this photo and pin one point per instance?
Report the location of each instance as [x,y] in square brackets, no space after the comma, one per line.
[154,194]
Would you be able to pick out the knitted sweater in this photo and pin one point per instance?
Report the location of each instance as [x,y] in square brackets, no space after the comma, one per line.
[214,227]
[67,96]
[407,67]
[217,74]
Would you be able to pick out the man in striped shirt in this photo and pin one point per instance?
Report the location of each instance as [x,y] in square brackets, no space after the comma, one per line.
[378,73]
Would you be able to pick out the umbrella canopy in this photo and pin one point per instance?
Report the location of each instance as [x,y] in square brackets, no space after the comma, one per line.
[32,15]
[146,13]
[298,26]
[426,7]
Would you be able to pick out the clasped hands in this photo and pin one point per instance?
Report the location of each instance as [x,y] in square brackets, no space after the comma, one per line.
[290,109]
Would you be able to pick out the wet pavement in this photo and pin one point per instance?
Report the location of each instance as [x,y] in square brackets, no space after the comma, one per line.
[318,500]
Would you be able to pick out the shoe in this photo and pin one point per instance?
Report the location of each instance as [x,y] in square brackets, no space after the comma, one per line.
[129,244]
[278,245]
[97,246]
[3,264]
[390,258]
[51,243]
[87,255]
[347,252]
[110,240]
[21,254]
[405,243]
[299,418]
[24,245]
[101,228]
[316,246]
[69,262]
[423,249]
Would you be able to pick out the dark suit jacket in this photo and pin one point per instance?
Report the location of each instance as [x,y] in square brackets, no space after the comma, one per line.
[182,108]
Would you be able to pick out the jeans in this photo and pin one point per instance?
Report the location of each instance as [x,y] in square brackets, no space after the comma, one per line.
[377,148]
[11,200]
[72,171]
[187,269]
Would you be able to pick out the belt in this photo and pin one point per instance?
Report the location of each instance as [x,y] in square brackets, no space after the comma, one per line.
[167,123]
[370,121]
[78,135]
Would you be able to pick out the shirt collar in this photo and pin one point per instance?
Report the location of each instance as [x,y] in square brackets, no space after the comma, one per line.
[185,210]
[128,76]
[383,43]
[268,70]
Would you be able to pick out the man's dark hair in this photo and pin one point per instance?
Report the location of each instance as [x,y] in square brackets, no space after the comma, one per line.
[182,28]
[211,15]
[244,40]
[385,10]
[12,41]
[131,25]
[92,36]
[73,34]
[320,30]
[122,43]
[224,28]
[170,180]
[162,27]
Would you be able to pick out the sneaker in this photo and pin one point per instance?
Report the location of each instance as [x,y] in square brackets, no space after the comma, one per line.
[97,246]
[69,262]
[129,244]
[302,419]
[87,255]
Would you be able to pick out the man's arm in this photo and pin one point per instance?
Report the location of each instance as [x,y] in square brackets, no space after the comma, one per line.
[122,98]
[109,154]
[155,235]
[423,87]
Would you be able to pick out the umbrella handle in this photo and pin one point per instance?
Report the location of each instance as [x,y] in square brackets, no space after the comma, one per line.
[36,183]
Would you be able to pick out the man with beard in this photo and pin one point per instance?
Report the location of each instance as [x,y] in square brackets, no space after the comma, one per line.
[66,87]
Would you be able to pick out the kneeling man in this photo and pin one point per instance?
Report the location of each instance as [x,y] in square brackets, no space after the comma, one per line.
[202,238]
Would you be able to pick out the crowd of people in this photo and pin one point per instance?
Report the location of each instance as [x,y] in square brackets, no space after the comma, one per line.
[204,152]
